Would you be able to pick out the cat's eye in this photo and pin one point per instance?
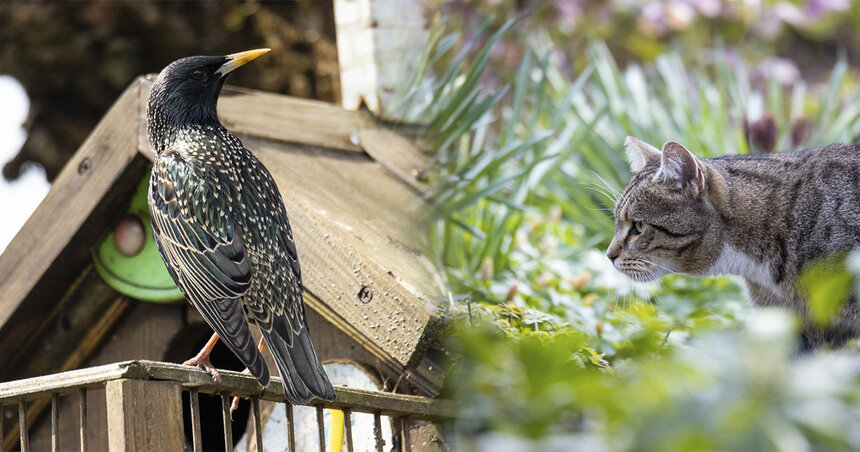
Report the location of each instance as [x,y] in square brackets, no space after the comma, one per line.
[198,74]
[638,226]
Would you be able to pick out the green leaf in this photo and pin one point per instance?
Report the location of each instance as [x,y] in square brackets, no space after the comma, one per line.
[826,283]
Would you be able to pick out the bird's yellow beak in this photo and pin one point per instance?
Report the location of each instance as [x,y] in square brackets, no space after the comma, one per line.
[238,59]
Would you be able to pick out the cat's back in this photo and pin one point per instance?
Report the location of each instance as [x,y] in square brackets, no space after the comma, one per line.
[800,163]
[811,197]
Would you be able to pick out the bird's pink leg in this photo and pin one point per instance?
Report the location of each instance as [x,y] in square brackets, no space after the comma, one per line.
[261,346]
[202,359]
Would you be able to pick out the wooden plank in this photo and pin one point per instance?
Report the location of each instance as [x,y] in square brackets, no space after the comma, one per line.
[243,385]
[376,41]
[80,319]
[358,242]
[85,315]
[320,428]
[196,438]
[68,382]
[397,154]
[226,420]
[291,427]
[76,193]
[281,118]
[258,421]
[55,423]
[421,377]
[377,431]
[22,426]
[82,419]
[144,415]
[347,424]
[237,383]
[145,331]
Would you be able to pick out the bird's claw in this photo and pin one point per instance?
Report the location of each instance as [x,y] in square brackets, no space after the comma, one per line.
[235,405]
[205,364]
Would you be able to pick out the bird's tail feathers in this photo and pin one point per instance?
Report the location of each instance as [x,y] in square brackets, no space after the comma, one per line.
[227,318]
[301,370]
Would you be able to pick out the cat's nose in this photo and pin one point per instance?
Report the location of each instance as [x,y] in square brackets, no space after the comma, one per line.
[612,255]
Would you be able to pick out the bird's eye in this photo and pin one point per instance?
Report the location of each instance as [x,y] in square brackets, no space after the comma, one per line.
[638,226]
[198,74]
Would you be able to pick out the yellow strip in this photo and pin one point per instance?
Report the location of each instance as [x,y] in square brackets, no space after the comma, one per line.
[335,433]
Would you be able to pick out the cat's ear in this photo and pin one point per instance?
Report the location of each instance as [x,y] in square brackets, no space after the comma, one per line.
[640,153]
[679,165]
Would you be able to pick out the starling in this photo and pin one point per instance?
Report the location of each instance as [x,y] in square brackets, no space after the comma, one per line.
[222,229]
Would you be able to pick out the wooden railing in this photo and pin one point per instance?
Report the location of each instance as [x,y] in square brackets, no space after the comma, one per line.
[144,406]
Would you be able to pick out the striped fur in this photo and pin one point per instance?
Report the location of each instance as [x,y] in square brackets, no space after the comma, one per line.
[764,217]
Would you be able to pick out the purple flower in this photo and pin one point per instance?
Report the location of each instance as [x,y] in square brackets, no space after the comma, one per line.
[818,8]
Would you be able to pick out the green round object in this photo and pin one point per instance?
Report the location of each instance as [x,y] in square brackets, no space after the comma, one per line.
[142,276]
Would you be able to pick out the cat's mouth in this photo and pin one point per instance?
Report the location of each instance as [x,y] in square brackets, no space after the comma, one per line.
[639,270]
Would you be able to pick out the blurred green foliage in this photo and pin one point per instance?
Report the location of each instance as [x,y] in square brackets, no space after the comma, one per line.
[826,283]
[556,347]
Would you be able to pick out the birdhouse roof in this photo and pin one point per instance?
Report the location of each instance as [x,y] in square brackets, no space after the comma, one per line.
[351,193]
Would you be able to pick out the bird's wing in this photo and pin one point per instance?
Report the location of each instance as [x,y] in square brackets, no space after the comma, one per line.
[204,253]
[279,310]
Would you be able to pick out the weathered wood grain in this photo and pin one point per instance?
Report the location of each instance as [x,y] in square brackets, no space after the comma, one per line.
[233,383]
[89,183]
[102,158]
[85,314]
[144,415]
[397,154]
[359,241]
[376,40]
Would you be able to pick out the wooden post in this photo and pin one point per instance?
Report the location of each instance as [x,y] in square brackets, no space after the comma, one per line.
[144,415]
[376,40]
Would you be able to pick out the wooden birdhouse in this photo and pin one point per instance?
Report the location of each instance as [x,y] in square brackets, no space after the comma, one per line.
[83,285]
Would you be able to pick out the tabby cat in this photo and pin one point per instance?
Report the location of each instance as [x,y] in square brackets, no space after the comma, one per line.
[764,217]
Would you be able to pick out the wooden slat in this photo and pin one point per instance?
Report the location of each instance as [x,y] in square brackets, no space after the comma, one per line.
[357,240]
[22,426]
[82,418]
[77,192]
[396,154]
[55,422]
[144,415]
[228,425]
[236,383]
[404,434]
[87,312]
[69,382]
[376,42]
[291,427]
[258,424]
[347,424]
[321,428]
[196,438]
[244,385]
[377,431]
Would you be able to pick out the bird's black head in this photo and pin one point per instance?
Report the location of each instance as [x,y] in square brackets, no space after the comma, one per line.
[186,92]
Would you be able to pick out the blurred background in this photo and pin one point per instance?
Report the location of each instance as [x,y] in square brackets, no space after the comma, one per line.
[523,107]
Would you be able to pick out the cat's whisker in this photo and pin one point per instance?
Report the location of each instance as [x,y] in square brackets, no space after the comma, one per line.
[669,270]
[603,192]
[615,193]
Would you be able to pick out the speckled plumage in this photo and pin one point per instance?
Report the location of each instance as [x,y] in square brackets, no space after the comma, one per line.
[222,229]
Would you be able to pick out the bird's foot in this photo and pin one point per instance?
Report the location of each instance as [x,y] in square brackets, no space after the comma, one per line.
[235,405]
[203,363]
